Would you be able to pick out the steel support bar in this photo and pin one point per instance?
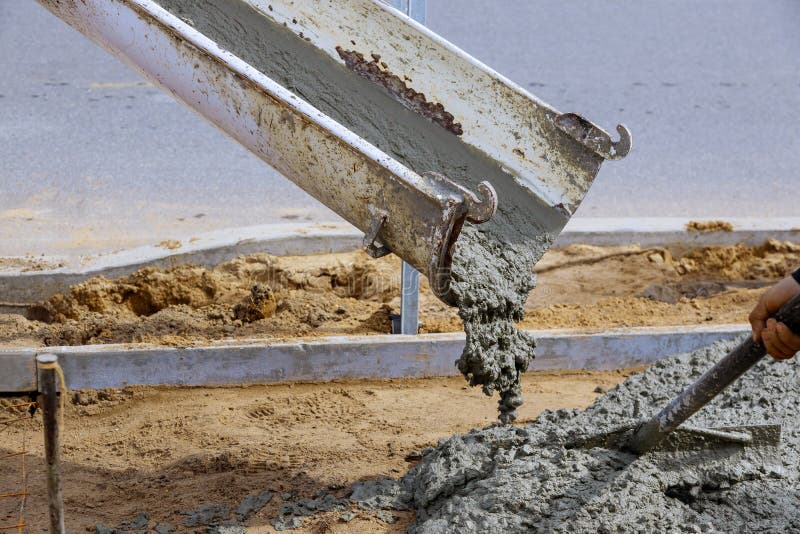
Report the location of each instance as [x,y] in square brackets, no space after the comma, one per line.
[48,380]
[409,300]
[409,277]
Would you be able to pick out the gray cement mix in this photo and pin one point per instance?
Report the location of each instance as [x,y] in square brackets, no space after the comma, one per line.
[206,515]
[492,270]
[524,479]
[491,280]
[292,513]
[209,518]
[252,504]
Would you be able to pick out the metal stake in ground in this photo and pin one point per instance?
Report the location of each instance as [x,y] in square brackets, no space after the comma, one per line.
[409,277]
[48,377]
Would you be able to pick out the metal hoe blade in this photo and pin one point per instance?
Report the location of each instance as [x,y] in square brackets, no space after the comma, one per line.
[664,432]
[688,438]
[709,385]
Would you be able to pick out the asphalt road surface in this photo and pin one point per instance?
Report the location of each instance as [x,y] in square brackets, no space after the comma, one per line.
[94,159]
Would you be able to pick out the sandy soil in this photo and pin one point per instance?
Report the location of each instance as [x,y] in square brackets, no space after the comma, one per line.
[340,294]
[709,226]
[167,450]
[27,264]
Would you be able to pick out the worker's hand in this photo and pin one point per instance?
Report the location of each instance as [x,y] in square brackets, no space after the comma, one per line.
[781,343]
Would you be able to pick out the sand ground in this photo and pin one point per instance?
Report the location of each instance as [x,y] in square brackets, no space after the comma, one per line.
[167,450]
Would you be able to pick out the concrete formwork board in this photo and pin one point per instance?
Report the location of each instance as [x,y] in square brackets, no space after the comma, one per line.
[379,356]
[18,371]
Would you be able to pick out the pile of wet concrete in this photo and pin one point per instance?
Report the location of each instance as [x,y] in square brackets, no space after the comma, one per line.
[512,479]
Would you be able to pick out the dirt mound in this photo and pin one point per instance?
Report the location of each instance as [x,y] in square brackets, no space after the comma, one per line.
[341,294]
[259,304]
[252,296]
[150,290]
[142,293]
[709,226]
[772,260]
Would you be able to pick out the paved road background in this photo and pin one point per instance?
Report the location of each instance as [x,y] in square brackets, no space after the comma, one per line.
[93,159]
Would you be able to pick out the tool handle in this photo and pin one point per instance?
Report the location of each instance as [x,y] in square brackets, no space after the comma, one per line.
[789,314]
[708,386]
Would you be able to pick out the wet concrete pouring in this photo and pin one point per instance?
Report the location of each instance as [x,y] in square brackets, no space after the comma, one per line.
[369,100]
[491,280]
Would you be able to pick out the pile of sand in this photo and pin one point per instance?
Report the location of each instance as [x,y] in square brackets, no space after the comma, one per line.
[709,226]
[247,297]
[771,260]
[340,294]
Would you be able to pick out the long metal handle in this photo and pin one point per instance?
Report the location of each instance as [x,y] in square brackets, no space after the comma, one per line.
[708,386]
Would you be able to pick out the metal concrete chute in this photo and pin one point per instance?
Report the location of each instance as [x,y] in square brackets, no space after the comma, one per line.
[392,127]
[486,110]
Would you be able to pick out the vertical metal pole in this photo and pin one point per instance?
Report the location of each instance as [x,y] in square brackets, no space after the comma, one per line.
[409,300]
[48,380]
[409,277]
[413,8]
[417,10]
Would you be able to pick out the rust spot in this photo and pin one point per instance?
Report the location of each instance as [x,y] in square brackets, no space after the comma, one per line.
[519,152]
[287,118]
[376,71]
